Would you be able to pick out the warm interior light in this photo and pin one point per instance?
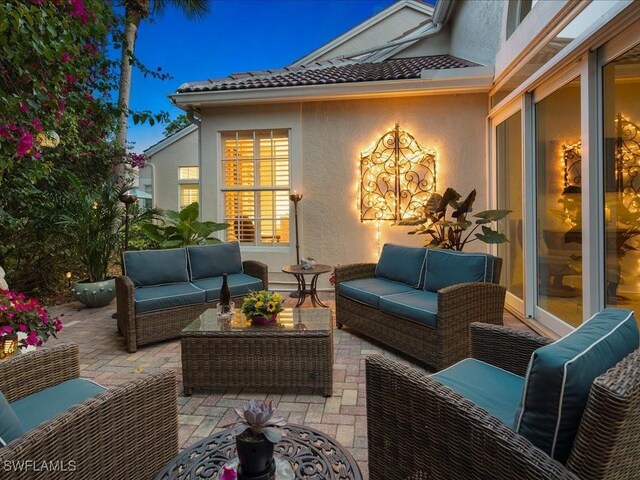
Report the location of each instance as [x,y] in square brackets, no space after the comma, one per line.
[9,346]
[397,177]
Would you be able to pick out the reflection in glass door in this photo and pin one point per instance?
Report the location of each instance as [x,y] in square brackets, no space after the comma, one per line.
[621,122]
[508,142]
[558,203]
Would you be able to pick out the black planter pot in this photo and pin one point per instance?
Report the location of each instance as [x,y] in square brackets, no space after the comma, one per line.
[255,455]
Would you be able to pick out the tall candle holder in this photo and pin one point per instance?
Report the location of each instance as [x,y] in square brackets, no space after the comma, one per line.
[295,197]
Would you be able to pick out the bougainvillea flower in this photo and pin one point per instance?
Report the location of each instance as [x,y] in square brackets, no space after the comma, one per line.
[228,473]
[36,125]
[65,57]
[5,329]
[57,324]
[25,144]
[32,338]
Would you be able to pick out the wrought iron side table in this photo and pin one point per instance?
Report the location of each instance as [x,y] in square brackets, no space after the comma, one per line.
[299,273]
[312,455]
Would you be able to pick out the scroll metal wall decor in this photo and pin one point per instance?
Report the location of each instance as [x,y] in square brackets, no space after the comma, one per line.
[627,163]
[397,177]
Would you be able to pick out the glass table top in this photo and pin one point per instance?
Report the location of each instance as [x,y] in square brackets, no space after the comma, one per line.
[289,320]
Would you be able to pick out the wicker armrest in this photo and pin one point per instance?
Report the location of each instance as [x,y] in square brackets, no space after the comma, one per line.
[505,347]
[417,428]
[31,372]
[126,312]
[354,271]
[127,432]
[258,270]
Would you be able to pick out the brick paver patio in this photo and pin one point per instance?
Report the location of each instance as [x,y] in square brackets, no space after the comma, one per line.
[103,358]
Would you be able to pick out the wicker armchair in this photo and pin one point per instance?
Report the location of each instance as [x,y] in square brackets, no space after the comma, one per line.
[458,306]
[124,433]
[150,327]
[420,429]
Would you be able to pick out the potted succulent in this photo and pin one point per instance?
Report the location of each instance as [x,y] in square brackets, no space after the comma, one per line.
[94,232]
[256,434]
[262,307]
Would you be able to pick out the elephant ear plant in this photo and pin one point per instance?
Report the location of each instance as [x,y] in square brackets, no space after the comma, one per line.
[256,434]
[457,231]
[179,229]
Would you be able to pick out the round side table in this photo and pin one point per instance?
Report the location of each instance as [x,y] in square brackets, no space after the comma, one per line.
[299,273]
[312,455]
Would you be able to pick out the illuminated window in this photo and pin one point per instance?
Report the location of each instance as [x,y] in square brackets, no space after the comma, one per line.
[188,173]
[188,194]
[255,186]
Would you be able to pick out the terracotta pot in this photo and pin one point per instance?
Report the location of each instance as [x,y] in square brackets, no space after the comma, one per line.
[255,456]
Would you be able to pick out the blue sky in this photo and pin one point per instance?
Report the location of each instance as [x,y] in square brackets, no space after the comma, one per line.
[237,35]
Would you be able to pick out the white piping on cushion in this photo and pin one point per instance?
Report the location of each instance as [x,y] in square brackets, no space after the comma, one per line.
[460,254]
[95,383]
[167,296]
[564,378]
[184,250]
[4,444]
[475,360]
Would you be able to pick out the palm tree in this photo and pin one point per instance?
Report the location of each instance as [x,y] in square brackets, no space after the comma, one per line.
[135,12]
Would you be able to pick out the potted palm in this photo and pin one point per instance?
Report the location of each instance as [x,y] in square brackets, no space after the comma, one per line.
[94,232]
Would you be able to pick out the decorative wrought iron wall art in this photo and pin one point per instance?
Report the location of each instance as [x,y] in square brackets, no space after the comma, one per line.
[397,177]
[627,163]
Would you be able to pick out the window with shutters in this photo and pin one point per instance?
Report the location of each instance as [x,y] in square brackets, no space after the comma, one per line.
[188,184]
[255,186]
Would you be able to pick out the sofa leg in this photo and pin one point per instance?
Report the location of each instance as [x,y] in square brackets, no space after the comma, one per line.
[339,325]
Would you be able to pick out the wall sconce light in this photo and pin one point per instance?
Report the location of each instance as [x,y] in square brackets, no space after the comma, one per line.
[397,177]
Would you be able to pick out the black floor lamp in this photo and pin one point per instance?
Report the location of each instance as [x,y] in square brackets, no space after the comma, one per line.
[127,199]
[295,197]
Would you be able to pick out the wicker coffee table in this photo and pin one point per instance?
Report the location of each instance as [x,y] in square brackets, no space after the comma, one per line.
[312,455]
[296,351]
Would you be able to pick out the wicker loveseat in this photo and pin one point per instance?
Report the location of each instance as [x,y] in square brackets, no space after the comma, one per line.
[162,291]
[421,301]
[421,426]
[87,432]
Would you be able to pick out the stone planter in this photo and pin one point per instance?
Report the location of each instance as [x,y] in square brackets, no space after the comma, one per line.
[95,294]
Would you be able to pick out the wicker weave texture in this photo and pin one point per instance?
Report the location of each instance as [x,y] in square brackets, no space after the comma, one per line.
[282,360]
[123,433]
[458,307]
[420,429]
[145,328]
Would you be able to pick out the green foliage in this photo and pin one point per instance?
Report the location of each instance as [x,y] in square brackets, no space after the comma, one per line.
[94,230]
[138,240]
[179,229]
[452,233]
[175,125]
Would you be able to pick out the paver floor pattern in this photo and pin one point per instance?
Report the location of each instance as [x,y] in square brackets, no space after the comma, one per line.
[103,358]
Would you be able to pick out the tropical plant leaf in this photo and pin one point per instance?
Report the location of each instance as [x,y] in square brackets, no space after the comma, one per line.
[190,213]
[488,216]
[433,204]
[491,236]
[172,215]
[465,207]
[450,198]
[412,222]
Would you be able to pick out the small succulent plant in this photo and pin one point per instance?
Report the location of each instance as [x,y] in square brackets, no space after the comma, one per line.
[258,417]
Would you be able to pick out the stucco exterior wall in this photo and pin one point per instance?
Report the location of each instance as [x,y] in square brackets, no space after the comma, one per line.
[181,153]
[326,141]
[475,32]
[437,44]
[384,31]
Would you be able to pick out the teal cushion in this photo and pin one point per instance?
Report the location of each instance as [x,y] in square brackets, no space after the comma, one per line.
[495,390]
[156,267]
[444,268]
[401,264]
[560,376]
[10,426]
[369,290]
[148,299]
[418,305]
[239,284]
[206,261]
[46,404]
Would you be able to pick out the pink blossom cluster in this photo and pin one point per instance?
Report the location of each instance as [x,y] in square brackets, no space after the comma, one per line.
[25,141]
[136,160]
[19,314]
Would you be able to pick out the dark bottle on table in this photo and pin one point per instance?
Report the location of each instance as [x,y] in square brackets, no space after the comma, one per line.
[225,295]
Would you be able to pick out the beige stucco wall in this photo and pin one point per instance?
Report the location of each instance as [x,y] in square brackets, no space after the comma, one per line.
[475,31]
[326,141]
[181,153]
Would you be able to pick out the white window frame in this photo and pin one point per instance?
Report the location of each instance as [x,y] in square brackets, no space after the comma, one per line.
[275,248]
[188,181]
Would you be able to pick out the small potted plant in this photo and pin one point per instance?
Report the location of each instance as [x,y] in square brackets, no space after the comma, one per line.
[23,323]
[262,307]
[256,434]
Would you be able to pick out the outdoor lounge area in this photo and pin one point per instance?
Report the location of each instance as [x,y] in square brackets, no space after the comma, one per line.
[320,240]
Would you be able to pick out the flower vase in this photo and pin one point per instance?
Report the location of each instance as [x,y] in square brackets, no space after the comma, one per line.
[262,320]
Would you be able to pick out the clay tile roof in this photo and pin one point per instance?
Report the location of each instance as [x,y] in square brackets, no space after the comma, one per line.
[329,72]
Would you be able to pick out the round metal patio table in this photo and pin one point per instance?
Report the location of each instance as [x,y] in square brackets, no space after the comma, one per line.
[299,273]
[312,455]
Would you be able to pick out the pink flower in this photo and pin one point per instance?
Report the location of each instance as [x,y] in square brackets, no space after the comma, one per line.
[65,57]
[6,329]
[79,11]
[23,327]
[25,144]
[70,78]
[36,124]
[62,105]
[32,338]
[228,473]
[23,107]
[37,155]
[57,324]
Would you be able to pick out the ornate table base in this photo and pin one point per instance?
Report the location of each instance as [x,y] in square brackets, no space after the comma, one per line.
[299,273]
